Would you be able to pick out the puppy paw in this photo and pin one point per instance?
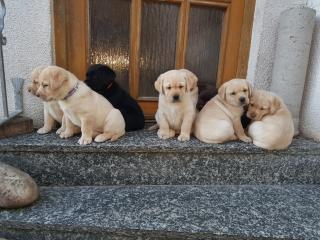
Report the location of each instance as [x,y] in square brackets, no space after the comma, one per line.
[43,130]
[245,139]
[184,137]
[60,130]
[66,134]
[166,134]
[85,140]
[102,138]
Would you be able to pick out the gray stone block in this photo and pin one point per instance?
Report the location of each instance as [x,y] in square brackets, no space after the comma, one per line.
[141,158]
[168,212]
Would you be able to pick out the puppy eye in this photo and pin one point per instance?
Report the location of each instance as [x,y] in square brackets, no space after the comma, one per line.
[262,108]
[45,85]
[180,87]
[169,88]
[251,104]
[245,90]
[233,93]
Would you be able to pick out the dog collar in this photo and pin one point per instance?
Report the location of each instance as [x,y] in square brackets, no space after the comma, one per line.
[72,91]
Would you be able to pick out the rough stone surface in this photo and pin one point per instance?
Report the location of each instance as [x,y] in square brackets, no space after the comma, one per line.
[28,29]
[310,110]
[17,189]
[292,56]
[291,212]
[141,158]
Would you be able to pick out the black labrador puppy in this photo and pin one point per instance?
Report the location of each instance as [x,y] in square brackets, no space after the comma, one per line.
[101,79]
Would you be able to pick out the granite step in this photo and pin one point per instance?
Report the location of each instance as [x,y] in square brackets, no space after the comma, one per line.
[168,212]
[140,158]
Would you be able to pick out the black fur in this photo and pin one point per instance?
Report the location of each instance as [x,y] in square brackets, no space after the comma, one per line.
[101,79]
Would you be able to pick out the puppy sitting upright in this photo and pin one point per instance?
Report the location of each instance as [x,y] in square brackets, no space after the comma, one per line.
[177,103]
[52,110]
[81,105]
[101,79]
[219,120]
[272,126]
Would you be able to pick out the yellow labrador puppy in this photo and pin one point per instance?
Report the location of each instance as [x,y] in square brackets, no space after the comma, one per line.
[178,95]
[52,111]
[81,105]
[272,126]
[219,120]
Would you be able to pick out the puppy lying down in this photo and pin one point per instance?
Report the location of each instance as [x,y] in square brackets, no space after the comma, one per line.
[219,120]
[82,106]
[272,127]
[178,95]
[52,111]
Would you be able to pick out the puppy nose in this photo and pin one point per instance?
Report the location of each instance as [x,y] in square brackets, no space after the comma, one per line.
[176,97]
[242,99]
[253,115]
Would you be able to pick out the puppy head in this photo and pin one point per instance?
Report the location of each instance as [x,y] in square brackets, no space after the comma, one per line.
[236,92]
[174,84]
[99,77]
[263,103]
[34,84]
[52,83]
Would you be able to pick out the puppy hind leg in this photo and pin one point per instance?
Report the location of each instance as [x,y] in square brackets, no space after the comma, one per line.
[114,127]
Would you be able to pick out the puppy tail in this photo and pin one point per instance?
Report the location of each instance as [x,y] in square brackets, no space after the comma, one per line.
[153,127]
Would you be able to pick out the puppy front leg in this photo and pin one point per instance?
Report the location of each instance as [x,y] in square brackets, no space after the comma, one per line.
[186,127]
[70,128]
[164,131]
[49,123]
[239,131]
[87,131]
[63,125]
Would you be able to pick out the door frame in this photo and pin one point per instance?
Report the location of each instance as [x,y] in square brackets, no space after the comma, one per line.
[71,28]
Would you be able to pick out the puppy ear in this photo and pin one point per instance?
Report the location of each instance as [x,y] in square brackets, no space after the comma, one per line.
[158,84]
[191,79]
[222,91]
[59,76]
[275,104]
[36,72]
[250,89]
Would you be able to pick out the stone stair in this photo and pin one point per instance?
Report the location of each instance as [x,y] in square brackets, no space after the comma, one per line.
[144,188]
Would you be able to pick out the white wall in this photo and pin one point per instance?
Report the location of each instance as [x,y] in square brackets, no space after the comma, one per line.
[29,44]
[266,20]
[263,42]
[310,111]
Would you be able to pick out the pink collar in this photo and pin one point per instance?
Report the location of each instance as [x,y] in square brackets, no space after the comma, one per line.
[72,91]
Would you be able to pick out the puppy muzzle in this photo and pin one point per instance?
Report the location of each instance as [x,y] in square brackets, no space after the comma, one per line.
[176,98]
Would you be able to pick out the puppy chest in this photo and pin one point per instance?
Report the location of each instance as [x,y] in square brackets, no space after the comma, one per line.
[175,120]
[73,117]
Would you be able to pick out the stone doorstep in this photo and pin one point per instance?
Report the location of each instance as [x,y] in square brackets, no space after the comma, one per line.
[177,212]
[140,158]
[143,141]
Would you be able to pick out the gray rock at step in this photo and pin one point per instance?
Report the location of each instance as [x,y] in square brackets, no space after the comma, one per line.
[17,188]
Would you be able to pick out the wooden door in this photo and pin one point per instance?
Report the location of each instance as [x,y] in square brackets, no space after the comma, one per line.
[140,39]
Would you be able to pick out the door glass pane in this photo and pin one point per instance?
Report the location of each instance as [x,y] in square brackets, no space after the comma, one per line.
[159,25]
[203,44]
[110,36]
